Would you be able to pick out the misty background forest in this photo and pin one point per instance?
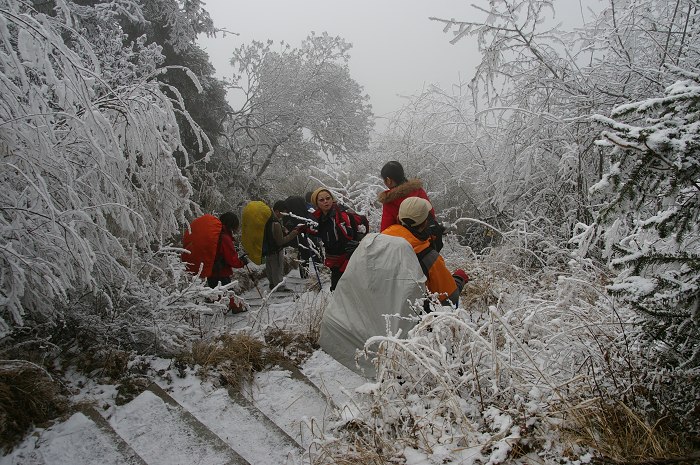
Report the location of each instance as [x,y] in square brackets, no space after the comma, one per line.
[567,170]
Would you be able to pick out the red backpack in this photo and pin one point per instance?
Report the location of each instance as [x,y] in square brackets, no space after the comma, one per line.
[356,219]
[201,240]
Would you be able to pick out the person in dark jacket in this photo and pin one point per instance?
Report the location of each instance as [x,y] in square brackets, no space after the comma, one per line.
[277,237]
[335,231]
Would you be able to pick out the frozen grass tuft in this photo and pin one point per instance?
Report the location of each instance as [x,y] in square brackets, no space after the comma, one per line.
[29,396]
[234,358]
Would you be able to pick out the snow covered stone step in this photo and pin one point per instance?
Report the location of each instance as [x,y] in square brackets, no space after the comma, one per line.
[76,441]
[291,403]
[241,425]
[162,432]
[296,284]
[335,380]
[257,302]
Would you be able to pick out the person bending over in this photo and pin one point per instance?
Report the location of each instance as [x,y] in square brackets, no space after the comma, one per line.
[413,217]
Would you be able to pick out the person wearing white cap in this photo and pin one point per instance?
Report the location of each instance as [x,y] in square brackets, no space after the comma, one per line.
[413,218]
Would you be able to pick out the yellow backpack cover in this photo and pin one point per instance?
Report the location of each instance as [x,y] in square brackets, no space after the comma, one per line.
[255,214]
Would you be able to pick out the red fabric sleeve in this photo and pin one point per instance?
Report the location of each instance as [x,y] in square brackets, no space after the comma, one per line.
[389,213]
[228,251]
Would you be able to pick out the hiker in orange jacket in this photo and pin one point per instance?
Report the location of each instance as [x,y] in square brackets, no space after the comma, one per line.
[413,216]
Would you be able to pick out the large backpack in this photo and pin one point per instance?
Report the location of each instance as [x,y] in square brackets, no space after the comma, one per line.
[356,219]
[254,218]
[382,274]
[201,240]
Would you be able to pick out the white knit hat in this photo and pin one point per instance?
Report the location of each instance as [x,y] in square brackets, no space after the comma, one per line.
[413,211]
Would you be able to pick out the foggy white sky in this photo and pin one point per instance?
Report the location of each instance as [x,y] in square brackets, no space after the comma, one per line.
[396,49]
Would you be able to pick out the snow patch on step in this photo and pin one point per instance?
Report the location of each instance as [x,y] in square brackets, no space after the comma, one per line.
[77,440]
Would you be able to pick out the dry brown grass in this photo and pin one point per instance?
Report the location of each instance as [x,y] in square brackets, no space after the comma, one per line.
[295,346]
[362,447]
[622,436]
[233,357]
[28,396]
[103,363]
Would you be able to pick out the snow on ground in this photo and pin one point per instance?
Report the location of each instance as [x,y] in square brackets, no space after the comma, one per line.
[148,424]
[291,403]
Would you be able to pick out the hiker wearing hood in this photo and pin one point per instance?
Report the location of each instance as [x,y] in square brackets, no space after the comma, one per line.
[398,188]
[413,217]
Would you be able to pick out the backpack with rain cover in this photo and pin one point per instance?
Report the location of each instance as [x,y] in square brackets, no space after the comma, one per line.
[201,240]
[255,216]
[383,277]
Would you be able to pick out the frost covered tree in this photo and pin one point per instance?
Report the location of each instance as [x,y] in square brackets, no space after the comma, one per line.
[651,220]
[296,104]
[524,120]
[91,192]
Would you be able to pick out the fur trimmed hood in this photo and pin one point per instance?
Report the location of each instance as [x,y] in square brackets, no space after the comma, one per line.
[400,191]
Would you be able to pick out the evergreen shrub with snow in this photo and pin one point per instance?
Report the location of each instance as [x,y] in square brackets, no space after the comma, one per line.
[651,222]
[651,235]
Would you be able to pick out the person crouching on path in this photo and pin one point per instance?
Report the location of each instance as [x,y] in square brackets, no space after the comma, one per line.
[413,217]
[226,256]
[276,239]
[335,231]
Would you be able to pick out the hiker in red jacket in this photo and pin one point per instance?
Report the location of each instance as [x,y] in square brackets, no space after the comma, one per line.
[400,188]
[210,248]
[211,253]
[226,256]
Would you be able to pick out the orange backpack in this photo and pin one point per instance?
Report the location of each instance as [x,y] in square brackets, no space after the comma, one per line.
[201,241]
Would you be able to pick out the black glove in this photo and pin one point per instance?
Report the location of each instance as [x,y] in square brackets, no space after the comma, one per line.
[436,231]
[244,259]
[351,246]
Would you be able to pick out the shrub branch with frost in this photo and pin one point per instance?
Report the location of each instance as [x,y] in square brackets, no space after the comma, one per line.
[90,185]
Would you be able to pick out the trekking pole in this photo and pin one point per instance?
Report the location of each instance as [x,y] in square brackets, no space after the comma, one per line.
[313,252]
[255,282]
[318,277]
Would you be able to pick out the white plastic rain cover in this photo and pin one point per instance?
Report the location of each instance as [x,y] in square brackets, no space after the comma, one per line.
[382,277]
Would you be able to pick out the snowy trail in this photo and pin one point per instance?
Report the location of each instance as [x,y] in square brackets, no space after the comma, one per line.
[77,440]
[185,420]
[242,427]
[163,433]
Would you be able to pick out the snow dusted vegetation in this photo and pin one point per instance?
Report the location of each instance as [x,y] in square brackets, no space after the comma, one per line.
[567,174]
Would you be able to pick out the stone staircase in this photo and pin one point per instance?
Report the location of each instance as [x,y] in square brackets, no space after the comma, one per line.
[266,423]
[273,420]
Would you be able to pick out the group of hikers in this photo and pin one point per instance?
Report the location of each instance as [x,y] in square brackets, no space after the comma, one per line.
[324,230]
